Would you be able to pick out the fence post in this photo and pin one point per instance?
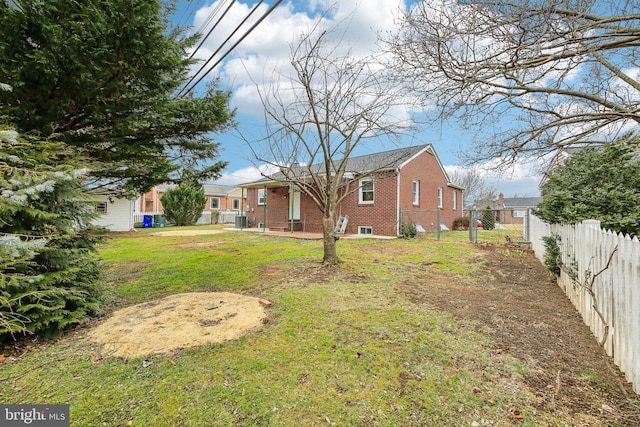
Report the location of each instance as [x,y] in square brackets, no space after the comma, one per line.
[473,226]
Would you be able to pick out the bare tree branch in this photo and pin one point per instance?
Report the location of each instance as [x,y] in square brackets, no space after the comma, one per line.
[551,72]
[332,103]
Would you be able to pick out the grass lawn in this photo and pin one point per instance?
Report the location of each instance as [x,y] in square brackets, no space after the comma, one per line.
[341,346]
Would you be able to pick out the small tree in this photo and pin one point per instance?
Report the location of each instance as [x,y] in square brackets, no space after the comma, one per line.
[600,183]
[183,204]
[475,186]
[488,219]
[333,104]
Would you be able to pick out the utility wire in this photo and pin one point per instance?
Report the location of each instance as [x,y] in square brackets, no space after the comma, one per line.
[212,28]
[251,12]
[194,6]
[213,13]
[186,91]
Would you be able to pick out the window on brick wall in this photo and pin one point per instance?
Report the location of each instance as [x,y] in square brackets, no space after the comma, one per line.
[365,230]
[236,204]
[262,196]
[455,199]
[366,191]
[214,203]
[440,192]
[416,192]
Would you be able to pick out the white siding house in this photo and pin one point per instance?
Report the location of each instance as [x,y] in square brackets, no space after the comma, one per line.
[115,214]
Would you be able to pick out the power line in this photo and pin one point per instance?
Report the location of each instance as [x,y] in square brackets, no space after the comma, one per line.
[207,21]
[212,28]
[186,89]
[185,17]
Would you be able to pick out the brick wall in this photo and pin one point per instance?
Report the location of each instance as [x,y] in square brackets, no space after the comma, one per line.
[426,170]
[381,215]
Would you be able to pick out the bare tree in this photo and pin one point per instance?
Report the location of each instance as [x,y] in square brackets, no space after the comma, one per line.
[475,186]
[333,103]
[532,75]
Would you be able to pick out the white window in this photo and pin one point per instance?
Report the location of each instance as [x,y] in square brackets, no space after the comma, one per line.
[416,192]
[236,204]
[262,196]
[214,202]
[440,192]
[366,191]
[365,230]
[455,199]
[101,207]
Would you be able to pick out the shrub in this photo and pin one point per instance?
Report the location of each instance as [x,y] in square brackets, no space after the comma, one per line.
[488,219]
[600,183]
[461,223]
[409,229]
[552,259]
[183,204]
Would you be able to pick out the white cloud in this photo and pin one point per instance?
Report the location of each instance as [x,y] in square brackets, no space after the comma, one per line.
[260,57]
[521,179]
[246,174]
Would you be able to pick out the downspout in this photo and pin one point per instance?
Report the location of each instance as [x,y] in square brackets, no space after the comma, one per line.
[291,197]
[264,211]
[242,212]
[399,212]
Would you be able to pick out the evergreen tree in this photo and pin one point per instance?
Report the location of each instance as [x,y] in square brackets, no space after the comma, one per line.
[488,219]
[183,204]
[48,271]
[600,183]
[102,77]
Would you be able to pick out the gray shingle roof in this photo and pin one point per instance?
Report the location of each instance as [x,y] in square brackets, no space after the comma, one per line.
[360,165]
[521,202]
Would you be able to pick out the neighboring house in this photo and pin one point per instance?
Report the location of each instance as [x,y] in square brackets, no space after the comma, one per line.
[407,185]
[116,214]
[510,210]
[220,199]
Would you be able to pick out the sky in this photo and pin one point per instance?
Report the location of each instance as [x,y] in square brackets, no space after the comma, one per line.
[267,48]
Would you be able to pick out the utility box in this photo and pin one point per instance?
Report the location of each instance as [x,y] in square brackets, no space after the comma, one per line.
[159,221]
[241,221]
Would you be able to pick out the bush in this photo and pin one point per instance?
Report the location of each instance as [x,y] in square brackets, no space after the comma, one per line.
[461,223]
[409,229]
[552,255]
[600,183]
[183,204]
[488,219]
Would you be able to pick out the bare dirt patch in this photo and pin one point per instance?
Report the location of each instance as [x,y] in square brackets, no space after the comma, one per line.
[178,321]
[514,301]
[176,233]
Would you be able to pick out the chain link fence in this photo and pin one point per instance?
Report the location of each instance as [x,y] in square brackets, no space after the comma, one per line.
[498,226]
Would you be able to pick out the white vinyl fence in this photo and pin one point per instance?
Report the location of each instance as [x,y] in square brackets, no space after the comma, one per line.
[601,276]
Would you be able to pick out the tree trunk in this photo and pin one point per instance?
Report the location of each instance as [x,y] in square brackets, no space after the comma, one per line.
[330,254]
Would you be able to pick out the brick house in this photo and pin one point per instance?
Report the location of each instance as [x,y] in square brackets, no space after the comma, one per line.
[388,189]
[224,203]
[219,198]
[510,210]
